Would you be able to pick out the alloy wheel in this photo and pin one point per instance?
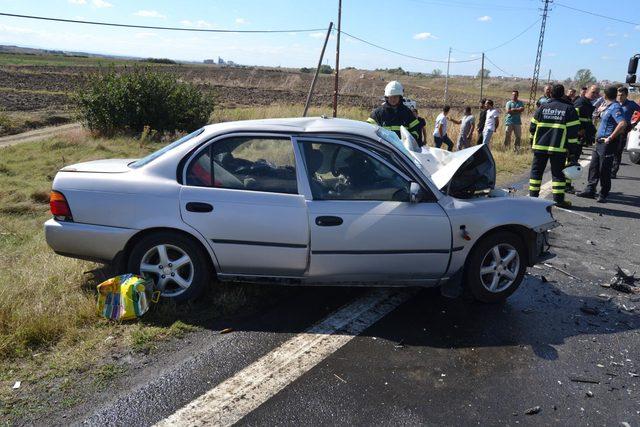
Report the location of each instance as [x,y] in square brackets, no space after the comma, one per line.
[169,267]
[499,268]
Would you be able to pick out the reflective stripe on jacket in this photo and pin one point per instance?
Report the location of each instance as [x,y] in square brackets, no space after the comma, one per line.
[555,126]
[392,118]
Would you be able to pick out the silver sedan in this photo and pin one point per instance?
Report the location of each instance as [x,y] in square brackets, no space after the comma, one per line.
[311,201]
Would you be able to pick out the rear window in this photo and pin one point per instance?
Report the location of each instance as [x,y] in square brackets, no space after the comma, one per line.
[143,161]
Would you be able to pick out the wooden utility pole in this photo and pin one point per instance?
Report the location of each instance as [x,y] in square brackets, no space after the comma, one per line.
[446,80]
[482,77]
[315,77]
[549,77]
[335,91]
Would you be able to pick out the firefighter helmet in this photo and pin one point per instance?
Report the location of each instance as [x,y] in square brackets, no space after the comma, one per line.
[393,88]
[572,172]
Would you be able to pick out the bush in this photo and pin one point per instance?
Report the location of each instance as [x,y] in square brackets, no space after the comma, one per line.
[159,60]
[305,70]
[326,69]
[126,102]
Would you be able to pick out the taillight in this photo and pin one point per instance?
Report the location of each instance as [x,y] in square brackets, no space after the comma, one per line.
[59,206]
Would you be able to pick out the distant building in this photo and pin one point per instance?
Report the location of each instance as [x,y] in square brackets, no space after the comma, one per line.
[231,63]
[209,61]
[220,61]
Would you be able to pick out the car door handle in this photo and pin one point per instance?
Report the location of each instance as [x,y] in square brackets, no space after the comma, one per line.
[199,207]
[328,221]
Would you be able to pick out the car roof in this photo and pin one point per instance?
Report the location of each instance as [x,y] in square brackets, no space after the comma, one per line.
[297,125]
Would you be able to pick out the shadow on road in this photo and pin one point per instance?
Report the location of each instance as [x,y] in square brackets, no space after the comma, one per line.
[539,314]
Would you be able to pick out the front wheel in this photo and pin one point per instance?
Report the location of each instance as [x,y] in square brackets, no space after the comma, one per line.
[496,266]
[178,266]
[634,157]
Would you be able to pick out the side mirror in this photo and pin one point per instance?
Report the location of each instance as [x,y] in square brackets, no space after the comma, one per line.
[633,64]
[415,193]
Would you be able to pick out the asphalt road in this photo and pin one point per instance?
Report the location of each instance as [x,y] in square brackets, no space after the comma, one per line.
[563,347]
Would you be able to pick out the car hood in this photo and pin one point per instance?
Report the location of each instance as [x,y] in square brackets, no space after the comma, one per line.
[461,173]
[100,166]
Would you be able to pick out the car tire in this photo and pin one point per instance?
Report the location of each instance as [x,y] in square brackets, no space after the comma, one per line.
[184,270]
[634,157]
[490,281]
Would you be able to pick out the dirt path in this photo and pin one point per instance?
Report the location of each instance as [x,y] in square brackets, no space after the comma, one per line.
[37,134]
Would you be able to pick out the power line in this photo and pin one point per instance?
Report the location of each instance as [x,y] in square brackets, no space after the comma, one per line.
[153,27]
[596,14]
[404,54]
[505,43]
[494,64]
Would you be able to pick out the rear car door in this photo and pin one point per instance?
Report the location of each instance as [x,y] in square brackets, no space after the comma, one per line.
[241,193]
[363,225]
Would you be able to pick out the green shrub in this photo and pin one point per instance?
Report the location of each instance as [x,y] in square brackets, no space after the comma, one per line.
[326,69]
[127,101]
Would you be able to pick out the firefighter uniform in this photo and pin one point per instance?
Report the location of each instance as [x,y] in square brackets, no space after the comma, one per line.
[391,118]
[587,131]
[554,127]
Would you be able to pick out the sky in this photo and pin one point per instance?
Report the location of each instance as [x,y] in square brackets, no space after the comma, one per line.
[422,28]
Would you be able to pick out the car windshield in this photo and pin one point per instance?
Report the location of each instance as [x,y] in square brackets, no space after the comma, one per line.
[143,161]
[393,138]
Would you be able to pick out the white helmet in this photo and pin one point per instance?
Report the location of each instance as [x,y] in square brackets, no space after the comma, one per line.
[411,104]
[572,172]
[393,88]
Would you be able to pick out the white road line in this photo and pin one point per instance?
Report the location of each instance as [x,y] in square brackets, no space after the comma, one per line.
[231,400]
[545,189]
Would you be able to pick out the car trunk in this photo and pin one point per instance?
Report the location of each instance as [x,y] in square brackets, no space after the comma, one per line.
[100,166]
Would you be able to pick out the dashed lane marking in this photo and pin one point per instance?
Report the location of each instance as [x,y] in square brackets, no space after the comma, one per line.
[234,398]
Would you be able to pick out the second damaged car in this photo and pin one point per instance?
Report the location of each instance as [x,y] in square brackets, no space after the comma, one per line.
[310,201]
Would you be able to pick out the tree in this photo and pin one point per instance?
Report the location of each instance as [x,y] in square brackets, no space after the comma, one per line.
[486,73]
[326,69]
[584,77]
[436,73]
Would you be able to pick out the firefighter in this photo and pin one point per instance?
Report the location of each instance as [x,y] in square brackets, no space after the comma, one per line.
[587,131]
[393,113]
[554,127]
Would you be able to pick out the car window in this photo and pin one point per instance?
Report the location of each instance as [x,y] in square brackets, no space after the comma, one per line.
[340,172]
[160,152]
[246,163]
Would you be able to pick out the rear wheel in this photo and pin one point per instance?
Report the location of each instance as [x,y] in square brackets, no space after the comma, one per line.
[496,267]
[634,157]
[178,266]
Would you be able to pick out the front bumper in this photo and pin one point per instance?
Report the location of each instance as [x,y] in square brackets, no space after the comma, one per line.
[539,243]
[86,241]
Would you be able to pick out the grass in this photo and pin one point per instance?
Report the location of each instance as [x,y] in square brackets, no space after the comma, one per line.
[19,59]
[22,121]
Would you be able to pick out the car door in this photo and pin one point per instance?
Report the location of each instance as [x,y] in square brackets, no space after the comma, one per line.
[363,225]
[241,193]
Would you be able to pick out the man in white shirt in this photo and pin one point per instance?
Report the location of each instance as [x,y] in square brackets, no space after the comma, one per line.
[440,130]
[490,124]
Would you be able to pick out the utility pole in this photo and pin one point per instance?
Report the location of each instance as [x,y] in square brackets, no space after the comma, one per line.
[446,80]
[315,77]
[335,91]
[536,68]
[549,77]
[482,77]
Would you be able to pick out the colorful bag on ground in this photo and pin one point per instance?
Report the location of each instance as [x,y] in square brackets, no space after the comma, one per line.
[125,297]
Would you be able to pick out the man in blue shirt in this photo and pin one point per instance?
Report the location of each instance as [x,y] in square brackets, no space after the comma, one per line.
[612,125]
[628,108]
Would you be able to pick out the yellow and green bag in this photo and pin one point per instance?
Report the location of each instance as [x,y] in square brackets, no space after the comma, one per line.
[125,297]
